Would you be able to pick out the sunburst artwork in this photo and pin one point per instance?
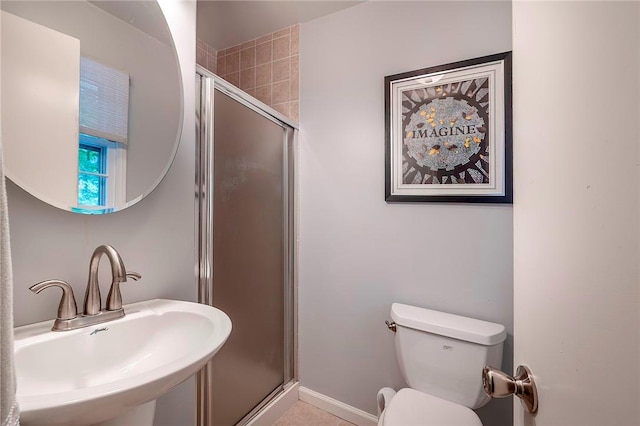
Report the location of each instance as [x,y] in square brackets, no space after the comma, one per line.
[448,132]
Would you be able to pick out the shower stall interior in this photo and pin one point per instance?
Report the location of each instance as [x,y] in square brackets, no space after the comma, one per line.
[245,182]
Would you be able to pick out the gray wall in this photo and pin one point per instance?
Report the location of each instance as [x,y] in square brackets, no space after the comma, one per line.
[357,253]
[155,237]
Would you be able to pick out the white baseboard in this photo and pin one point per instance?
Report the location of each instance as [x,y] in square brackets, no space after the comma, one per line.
[276,408]
[337,408]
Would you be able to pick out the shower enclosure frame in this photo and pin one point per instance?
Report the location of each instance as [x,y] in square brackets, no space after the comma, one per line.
[206,83]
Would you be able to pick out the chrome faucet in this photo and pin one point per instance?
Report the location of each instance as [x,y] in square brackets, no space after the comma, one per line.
[92,299]
[67,318]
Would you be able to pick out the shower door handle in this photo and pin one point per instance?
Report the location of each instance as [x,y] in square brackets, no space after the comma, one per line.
[498,384]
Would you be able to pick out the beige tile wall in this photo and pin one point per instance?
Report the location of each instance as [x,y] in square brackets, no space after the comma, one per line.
[266,68]
[206,56]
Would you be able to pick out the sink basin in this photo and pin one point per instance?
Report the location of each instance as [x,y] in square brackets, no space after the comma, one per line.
[97,373]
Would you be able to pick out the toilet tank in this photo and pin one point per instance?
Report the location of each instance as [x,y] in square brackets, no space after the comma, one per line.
[443,354]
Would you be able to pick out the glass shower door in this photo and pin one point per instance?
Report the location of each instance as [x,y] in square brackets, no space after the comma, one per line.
[250,262]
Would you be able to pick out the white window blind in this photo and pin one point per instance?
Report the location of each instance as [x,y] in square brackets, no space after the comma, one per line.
[104,101]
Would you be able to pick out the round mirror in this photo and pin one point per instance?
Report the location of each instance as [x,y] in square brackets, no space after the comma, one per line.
[91,101]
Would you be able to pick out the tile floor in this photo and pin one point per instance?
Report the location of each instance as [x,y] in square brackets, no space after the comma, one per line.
[303,414]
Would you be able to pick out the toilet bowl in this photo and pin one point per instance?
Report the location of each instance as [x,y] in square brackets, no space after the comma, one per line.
[441,357]
[410,407]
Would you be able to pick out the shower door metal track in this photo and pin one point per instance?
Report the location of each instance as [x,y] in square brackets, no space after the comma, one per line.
[206,83]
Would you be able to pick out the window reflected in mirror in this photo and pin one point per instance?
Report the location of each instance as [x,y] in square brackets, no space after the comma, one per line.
[104,134]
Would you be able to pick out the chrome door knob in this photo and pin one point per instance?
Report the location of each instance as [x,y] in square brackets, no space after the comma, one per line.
[498,384]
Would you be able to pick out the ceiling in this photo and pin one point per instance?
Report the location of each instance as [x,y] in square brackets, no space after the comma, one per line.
[223,24]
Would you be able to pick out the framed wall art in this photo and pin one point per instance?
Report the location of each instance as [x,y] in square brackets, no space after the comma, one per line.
[449,133]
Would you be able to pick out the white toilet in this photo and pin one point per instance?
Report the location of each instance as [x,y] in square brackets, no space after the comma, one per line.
[441,357]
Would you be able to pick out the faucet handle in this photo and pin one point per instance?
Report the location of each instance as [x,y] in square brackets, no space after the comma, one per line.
[114,299]
[67,309]
[134,275]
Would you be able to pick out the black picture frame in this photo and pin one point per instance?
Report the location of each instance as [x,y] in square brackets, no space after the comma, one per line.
[448,133]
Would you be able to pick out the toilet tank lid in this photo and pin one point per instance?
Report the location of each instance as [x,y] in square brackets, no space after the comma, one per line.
[449,325]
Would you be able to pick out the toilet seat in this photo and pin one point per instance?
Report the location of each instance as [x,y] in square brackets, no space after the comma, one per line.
[410,407]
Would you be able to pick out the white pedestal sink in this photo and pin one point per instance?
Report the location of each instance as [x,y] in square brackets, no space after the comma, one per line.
[113,371]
